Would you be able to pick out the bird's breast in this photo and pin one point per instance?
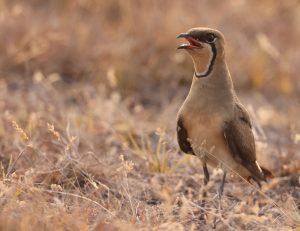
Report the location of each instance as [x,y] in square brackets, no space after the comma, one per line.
[204,127]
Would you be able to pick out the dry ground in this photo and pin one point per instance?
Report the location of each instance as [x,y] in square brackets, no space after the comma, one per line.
[89,92]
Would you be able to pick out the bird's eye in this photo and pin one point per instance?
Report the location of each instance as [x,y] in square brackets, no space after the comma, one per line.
[210,38]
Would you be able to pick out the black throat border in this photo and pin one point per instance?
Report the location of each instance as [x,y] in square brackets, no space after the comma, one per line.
[212,62]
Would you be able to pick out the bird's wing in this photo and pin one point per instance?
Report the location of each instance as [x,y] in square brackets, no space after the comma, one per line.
[182,137]
[240,140]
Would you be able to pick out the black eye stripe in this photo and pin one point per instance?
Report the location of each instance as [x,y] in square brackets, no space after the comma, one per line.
[208,38]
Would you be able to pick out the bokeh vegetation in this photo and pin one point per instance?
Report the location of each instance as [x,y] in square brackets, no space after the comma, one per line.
[89,92]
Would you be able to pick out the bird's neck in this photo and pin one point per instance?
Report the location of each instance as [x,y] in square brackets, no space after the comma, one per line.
[219,77]
[205,63]
[215,86]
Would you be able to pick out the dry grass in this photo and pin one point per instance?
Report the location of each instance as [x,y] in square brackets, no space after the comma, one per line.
[89,92]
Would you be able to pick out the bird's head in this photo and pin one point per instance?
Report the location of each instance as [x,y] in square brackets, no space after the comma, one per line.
[205,47]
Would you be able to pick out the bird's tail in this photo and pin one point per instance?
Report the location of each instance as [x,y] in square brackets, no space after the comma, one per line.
[259,173]
[267,172]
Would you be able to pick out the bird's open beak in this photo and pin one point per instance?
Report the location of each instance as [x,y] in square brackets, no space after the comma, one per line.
[193,43]
[183,35]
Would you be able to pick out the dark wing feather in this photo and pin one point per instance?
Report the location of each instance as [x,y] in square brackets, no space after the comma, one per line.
[182,137]
[240,140]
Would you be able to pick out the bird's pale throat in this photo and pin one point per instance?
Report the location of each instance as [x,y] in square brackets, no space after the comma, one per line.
[204,63]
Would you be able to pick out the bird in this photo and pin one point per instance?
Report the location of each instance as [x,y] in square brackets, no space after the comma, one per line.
[212,123]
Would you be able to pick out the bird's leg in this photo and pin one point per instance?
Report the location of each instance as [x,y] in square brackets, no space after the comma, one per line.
[206,180]
[221,189]
[206,174]
[220,193]
[204,193]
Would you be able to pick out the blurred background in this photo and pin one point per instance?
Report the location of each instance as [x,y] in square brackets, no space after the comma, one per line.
[84,79]
[134,41]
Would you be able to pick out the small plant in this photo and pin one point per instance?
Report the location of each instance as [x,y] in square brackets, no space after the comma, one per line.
[152,150]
